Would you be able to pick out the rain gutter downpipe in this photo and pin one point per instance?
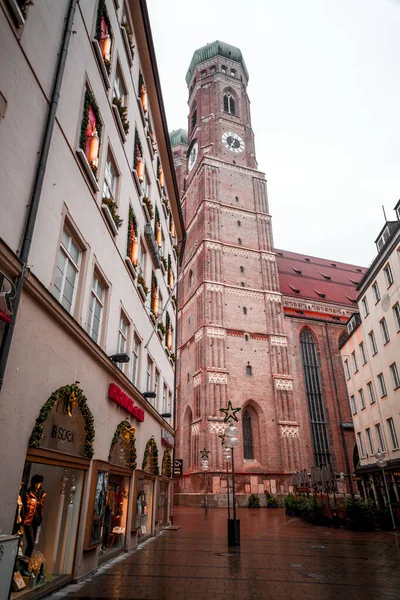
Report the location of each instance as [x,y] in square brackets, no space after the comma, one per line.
[37,186]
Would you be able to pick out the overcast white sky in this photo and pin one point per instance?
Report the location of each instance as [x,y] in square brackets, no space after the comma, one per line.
[325,100]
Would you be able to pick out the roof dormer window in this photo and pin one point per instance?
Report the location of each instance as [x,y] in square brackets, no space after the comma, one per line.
[297,271]
[296,291]
[320,294]
[383,239]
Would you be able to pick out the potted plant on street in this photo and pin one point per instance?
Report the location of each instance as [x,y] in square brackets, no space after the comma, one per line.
[254,501]
[272,501]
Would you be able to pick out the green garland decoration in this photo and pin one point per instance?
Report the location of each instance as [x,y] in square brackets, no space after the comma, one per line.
[127,433]
[138,146]
[151,451]
[86,413]
[89,101]
[166,469]
[102,12]
[131,222]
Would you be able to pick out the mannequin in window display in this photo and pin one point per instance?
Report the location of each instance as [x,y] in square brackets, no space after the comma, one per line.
[18,528]
[34,507]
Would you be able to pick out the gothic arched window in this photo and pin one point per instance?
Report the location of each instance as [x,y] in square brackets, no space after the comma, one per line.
[229,103]
[194,115]
[249,370]
[247,436]
[190,278]
[315,400]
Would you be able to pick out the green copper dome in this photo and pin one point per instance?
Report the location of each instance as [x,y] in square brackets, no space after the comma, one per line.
[216,48]
[178,136]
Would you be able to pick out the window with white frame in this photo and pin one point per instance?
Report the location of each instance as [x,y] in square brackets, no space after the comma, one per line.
[142,259]
[110,180]
[372,341]
[388,275]
[353,404]
[156,387]
[362,398]
[382,385]
[360,444]
[370,440]
[393,435]
[164,399]
[67,271]
[119,91]
[396,314]
[376,292]
[395,375]
[135,360]
[371,392]
[364,302]
[96,308]
[122,335]
[355,366]
[362,352]
[146,185]
[149,373]
[382,446]
[384,330]
[347,369]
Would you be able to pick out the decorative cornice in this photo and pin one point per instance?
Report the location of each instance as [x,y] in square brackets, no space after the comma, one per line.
[316,307]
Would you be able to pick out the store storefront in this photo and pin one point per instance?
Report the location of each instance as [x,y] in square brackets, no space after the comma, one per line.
[109,495]
[48,505]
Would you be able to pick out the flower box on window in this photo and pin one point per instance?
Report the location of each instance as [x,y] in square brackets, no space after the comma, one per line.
[18,12]
[109,217]
[152,244]
[142,287]
[147,206]
[132,268]
[101,64]
[121,128]
[88,170]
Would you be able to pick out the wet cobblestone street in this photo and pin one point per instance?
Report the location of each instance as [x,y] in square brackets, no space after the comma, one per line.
[280,557]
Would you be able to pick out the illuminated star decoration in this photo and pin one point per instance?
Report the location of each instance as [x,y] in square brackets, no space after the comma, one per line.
[204,453]
[230,412]
[222,437]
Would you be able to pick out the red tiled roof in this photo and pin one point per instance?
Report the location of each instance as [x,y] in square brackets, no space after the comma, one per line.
[304,276]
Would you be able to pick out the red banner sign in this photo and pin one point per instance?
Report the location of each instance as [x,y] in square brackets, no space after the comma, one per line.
[119,397]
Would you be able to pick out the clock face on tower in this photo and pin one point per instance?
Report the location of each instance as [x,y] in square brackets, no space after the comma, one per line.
[193,156]
[233,141]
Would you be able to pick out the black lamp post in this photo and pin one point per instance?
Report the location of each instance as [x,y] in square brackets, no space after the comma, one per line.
[205,467]
[231,442]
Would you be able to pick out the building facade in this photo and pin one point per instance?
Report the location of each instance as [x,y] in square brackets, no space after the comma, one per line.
[371,358]
[257,326]
[90,232]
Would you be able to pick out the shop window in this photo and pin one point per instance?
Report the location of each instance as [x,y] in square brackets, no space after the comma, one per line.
[143,506]
[96,309]
[247,436]
[48,501]
[103,35]
[150,458]
[67,271]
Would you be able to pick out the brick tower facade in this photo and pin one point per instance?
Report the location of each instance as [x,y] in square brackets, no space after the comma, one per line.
[232,338]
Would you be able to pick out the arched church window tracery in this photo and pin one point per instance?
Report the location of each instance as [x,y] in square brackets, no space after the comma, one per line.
[248,452]
[229,103]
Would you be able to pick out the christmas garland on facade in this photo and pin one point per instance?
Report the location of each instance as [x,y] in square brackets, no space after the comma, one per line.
[126,432]
[154,292]
[166,469]
[138,146]
[132,223]
[75,397]
[151,451]
[89,101]
[102,12]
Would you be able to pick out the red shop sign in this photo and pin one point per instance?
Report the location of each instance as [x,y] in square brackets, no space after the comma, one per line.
[119,397]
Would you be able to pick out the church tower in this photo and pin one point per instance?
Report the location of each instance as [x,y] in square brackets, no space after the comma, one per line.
[232,342]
